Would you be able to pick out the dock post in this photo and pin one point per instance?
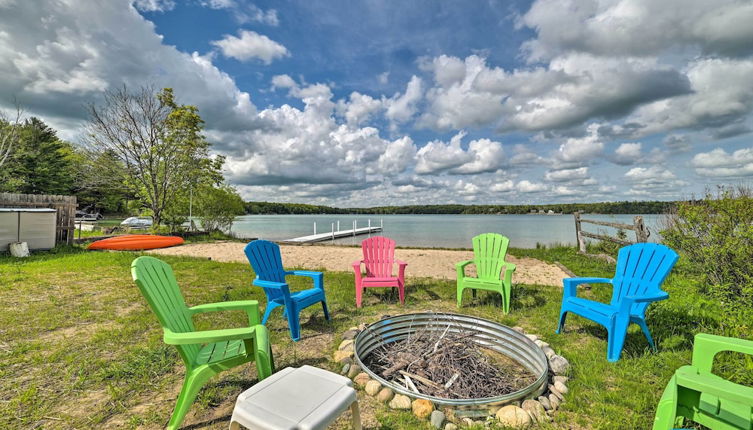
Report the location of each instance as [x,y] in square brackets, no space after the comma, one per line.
[314,227]
[333,232]
[338,225]
[381,223]
[369,224]
[355,225]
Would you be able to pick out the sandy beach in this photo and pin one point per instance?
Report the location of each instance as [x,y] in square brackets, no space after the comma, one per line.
[433,263]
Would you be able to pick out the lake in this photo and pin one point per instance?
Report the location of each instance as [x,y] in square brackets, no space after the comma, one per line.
[441,231]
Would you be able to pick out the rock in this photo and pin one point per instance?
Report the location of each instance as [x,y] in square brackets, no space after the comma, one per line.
[354,370]
[562,379]
[450,426]
[346,345]
[535,410]
[533,337]
[540,343]
[545,402]
[385,395]
[350,334]
[519,329]
[513,416]
[468,422]
[400,402]
[384,317]
[361,379]
[354,328]
[549,352]
[372,387]
[362,327]
[437,419]
[346,367]
[422,408]
[556,392]
[554,401]
[559,365]
[562,388]
[343,356]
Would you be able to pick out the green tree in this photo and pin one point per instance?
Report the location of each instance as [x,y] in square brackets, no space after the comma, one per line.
[40,162]
[158,143]
[217,207]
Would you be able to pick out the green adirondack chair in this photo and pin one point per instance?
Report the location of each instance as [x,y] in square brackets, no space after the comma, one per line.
[208,352]
[700,396]
[489,251]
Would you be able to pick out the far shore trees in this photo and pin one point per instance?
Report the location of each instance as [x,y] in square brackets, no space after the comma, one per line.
[154,145]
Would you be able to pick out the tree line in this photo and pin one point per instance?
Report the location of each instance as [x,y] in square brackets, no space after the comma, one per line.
[142,154]
[623,207]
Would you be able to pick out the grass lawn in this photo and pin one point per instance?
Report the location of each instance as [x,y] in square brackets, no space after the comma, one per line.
[79,348]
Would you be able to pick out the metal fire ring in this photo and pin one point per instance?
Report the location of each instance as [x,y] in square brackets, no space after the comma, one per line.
[491,335]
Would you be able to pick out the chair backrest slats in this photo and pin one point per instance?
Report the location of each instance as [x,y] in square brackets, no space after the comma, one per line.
[266,260]
[489,250]
[378,256]
[641,269]
[157,284]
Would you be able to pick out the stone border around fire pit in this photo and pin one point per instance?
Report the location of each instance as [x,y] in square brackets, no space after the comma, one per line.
[516,414]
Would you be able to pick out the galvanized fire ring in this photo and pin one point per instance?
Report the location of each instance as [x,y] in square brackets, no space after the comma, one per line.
[491,335]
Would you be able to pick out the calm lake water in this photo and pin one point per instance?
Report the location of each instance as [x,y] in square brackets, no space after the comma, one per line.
[450,231]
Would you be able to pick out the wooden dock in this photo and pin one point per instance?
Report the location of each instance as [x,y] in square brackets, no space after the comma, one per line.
[331,235]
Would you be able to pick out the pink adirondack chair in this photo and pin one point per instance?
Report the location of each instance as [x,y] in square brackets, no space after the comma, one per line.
[379,259]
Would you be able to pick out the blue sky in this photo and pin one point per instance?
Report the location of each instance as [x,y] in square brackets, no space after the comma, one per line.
[361,103]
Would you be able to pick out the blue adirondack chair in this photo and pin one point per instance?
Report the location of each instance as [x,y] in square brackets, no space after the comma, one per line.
[641,269]
[265,258]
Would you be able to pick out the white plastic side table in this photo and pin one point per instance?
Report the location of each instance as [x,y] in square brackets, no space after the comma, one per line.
[304,398]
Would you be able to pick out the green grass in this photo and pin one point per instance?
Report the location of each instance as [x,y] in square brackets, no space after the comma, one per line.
[80,348]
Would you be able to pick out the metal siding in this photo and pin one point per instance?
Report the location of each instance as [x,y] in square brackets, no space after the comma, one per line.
[8,229]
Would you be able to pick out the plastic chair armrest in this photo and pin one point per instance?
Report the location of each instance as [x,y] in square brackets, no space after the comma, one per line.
[317,277]
[714,385]
[706,346]
[250,306]
[628,301]
[460,267]
[208,336]
[509,270]
[570,284]
[270,284]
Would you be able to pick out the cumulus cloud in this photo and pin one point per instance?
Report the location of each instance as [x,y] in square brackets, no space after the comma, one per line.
[244,11]
[359,108]
[526,186]
[580,150]
[402,107]
[154,5]
[251,45]
[720,163]
[566,175]
[628,153]
[638,28]
[482,155]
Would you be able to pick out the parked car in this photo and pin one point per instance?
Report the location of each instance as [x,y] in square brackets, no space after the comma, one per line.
[137,222]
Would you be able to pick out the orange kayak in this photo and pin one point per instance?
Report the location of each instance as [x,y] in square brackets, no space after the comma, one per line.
[135,242]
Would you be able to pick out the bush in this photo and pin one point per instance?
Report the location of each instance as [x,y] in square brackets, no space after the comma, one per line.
[218,207]
[716,236]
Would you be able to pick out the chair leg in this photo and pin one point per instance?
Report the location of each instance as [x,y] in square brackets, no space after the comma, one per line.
[191,386]
[647,333]
[616,339]
[460,295]
[267,312]
[294,324]
[666,410]
[401,293]
[506,299]
[326,311]
[561,325]
[359,295]
[356,415]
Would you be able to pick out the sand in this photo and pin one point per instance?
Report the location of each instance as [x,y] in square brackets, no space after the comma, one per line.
[432,263]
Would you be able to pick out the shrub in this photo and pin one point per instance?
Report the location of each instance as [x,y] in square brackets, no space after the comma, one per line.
[715,234]
[218,207]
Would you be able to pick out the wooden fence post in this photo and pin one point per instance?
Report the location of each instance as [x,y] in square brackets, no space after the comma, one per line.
[641,233]
[579,237]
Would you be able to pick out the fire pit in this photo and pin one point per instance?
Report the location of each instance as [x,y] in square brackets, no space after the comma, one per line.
[524,363]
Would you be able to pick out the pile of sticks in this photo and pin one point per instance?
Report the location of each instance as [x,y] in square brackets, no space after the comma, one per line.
[448,364]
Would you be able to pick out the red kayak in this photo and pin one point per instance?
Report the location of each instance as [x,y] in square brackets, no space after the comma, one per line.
[136,242]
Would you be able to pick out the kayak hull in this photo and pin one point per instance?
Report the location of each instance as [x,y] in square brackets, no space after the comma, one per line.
[136,242]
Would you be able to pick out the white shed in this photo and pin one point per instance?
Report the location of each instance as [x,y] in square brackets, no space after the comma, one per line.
[33,226]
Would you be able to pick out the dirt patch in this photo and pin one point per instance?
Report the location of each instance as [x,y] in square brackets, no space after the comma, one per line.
[432,263]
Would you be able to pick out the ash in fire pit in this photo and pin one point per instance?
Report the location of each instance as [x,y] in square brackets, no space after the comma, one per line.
[449,365]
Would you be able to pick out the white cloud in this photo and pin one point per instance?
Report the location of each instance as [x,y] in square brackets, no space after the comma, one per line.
[566,175]
[483,155]
[401,108]
[154,5]
[397,156]
[628,153]
[720,163]
[283,81]
[244,11]
[580,150]
[526,186]
[503,187]
[649,175]
[251,45]
[359,108]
